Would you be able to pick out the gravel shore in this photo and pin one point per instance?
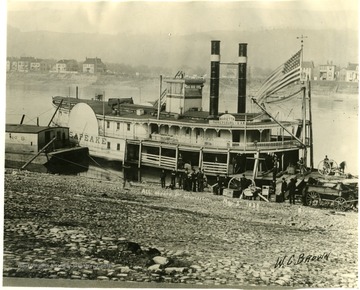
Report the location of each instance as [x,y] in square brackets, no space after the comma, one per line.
[79,228]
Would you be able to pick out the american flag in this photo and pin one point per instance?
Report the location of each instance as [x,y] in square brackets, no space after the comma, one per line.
[284,75]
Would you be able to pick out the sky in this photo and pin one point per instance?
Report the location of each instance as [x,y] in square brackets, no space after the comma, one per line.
[179,17]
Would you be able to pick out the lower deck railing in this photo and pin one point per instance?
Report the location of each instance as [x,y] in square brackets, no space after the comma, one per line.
[157,160]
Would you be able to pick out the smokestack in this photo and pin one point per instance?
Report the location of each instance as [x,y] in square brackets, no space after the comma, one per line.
[77,92]
[242,78]
[214,78]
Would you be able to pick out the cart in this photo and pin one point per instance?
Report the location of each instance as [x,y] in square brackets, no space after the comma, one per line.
[342,195]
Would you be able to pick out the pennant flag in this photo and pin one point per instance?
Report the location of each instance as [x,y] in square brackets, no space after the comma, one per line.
[284,75]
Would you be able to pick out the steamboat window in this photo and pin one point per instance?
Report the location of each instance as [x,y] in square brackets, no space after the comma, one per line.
[117,125]
[219,134]
[128,126]
[197,131]
[108,145]
[118,146]
[187,130]
[107,124]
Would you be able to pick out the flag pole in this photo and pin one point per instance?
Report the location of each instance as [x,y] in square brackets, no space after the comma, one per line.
[276,121]
[311,128]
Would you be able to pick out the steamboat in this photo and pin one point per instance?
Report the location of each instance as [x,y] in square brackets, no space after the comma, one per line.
[176,132]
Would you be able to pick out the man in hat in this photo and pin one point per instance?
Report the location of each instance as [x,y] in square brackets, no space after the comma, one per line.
[292,188]
[283,190]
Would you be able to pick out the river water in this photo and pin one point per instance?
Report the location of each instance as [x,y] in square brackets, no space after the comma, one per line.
[335,115]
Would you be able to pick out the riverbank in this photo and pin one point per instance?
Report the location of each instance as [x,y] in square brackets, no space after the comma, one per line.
[70,227]
[148,83]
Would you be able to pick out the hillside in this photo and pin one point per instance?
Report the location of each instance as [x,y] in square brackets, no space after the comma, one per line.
[266,48]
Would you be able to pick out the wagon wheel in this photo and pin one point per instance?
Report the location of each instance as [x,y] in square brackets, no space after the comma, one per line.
[313,198]
[324,167]
[234,183]
[340,203]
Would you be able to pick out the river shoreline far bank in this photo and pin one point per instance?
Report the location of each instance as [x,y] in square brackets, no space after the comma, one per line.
[79,79]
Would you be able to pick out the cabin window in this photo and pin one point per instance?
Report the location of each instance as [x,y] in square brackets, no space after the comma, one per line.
[108,145]
[117,125]
[218,133]
[118,147]
[30,143]
[187,131]
[197,132]
[128,126]
[108,124]
[9,135]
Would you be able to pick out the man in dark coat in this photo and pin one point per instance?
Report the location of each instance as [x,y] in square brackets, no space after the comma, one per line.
[173,179]
[163,178]
[193,180]
[184,180]
[221,185]
[283,190]
[200,180]
[292,188]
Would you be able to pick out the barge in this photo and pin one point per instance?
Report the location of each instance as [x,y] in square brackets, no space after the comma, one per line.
[25,144]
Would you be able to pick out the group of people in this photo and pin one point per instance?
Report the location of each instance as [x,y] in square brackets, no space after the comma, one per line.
[189,180]
[291,188]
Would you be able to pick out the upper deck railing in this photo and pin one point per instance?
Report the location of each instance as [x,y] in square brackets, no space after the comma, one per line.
[225,144]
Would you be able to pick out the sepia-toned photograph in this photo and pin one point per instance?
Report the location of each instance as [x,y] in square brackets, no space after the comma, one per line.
[180,144]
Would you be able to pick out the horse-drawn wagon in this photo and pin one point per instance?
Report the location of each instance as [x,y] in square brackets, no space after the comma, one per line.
[341,194]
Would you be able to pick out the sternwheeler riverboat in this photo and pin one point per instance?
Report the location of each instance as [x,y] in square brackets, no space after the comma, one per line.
[177,131]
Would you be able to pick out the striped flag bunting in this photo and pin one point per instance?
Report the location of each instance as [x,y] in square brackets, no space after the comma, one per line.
[284,75]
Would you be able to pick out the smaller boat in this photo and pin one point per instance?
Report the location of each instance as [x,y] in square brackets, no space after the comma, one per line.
[41,145]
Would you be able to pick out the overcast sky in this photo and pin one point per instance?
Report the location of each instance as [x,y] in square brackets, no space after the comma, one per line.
[180,17]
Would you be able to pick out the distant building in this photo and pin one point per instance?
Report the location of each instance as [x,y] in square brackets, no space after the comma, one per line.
[307,70]
[352,72]
[229,71]
[342,74]
[66,65]
[24,63]
[35,65]
[47,65]
[93,66]
[327,72]
[14,64]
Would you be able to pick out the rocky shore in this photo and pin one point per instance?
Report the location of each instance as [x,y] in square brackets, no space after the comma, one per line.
[68,227]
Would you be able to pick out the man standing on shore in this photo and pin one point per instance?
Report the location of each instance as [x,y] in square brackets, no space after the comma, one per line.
[292,188]
[173,179]
[163,178]
[200,180]
[283,190]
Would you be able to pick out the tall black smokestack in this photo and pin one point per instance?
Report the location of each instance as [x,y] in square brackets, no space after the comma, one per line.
[214,78]
[242,78]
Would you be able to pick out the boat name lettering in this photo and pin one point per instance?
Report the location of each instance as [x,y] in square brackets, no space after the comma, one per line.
[88,138]
[225,122]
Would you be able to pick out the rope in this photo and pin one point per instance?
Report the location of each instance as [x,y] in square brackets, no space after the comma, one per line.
[104,168]
[80,165]
[77,164]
